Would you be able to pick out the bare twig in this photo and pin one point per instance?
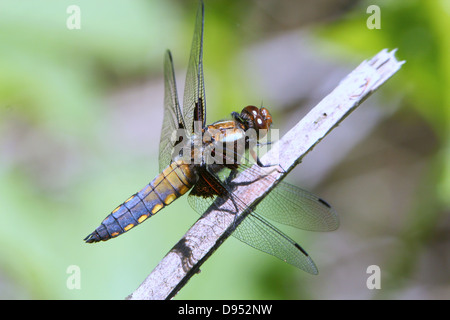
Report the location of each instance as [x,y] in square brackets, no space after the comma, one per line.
[209,232]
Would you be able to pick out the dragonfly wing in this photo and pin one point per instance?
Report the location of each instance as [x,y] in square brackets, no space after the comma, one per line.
[194,91]
[173,123]
[260,234]
[255,231]
[291,205]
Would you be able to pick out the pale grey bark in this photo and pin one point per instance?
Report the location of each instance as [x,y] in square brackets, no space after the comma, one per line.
[209,232]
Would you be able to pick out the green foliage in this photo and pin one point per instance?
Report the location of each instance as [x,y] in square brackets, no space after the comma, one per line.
[69,155]
[419,29]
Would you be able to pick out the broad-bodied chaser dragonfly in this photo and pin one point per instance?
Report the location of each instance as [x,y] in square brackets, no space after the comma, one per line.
[189,159]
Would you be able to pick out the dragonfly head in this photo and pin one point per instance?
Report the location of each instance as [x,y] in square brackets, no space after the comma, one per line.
[256,118]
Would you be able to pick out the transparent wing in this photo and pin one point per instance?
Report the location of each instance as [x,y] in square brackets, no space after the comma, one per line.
[173,122]
[286,204]
[293,206]
[194,90]
[258,233]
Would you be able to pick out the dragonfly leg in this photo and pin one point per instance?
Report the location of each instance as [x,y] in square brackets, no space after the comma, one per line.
[258,161]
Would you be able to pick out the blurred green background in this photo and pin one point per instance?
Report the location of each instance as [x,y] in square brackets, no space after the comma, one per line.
[81,111]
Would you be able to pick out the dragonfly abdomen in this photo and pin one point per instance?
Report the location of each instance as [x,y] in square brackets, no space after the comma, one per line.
[169,185]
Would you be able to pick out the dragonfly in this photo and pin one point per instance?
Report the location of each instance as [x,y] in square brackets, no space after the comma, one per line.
[205,158]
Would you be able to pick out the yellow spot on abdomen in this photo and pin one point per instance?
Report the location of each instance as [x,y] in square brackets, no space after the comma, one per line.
[129,199]
[170,198]
[115,234]
[156,208]
[128,227]
[116,209]
[142,218]
[183,190]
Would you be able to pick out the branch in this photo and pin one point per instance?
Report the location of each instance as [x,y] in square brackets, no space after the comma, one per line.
[215,226]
